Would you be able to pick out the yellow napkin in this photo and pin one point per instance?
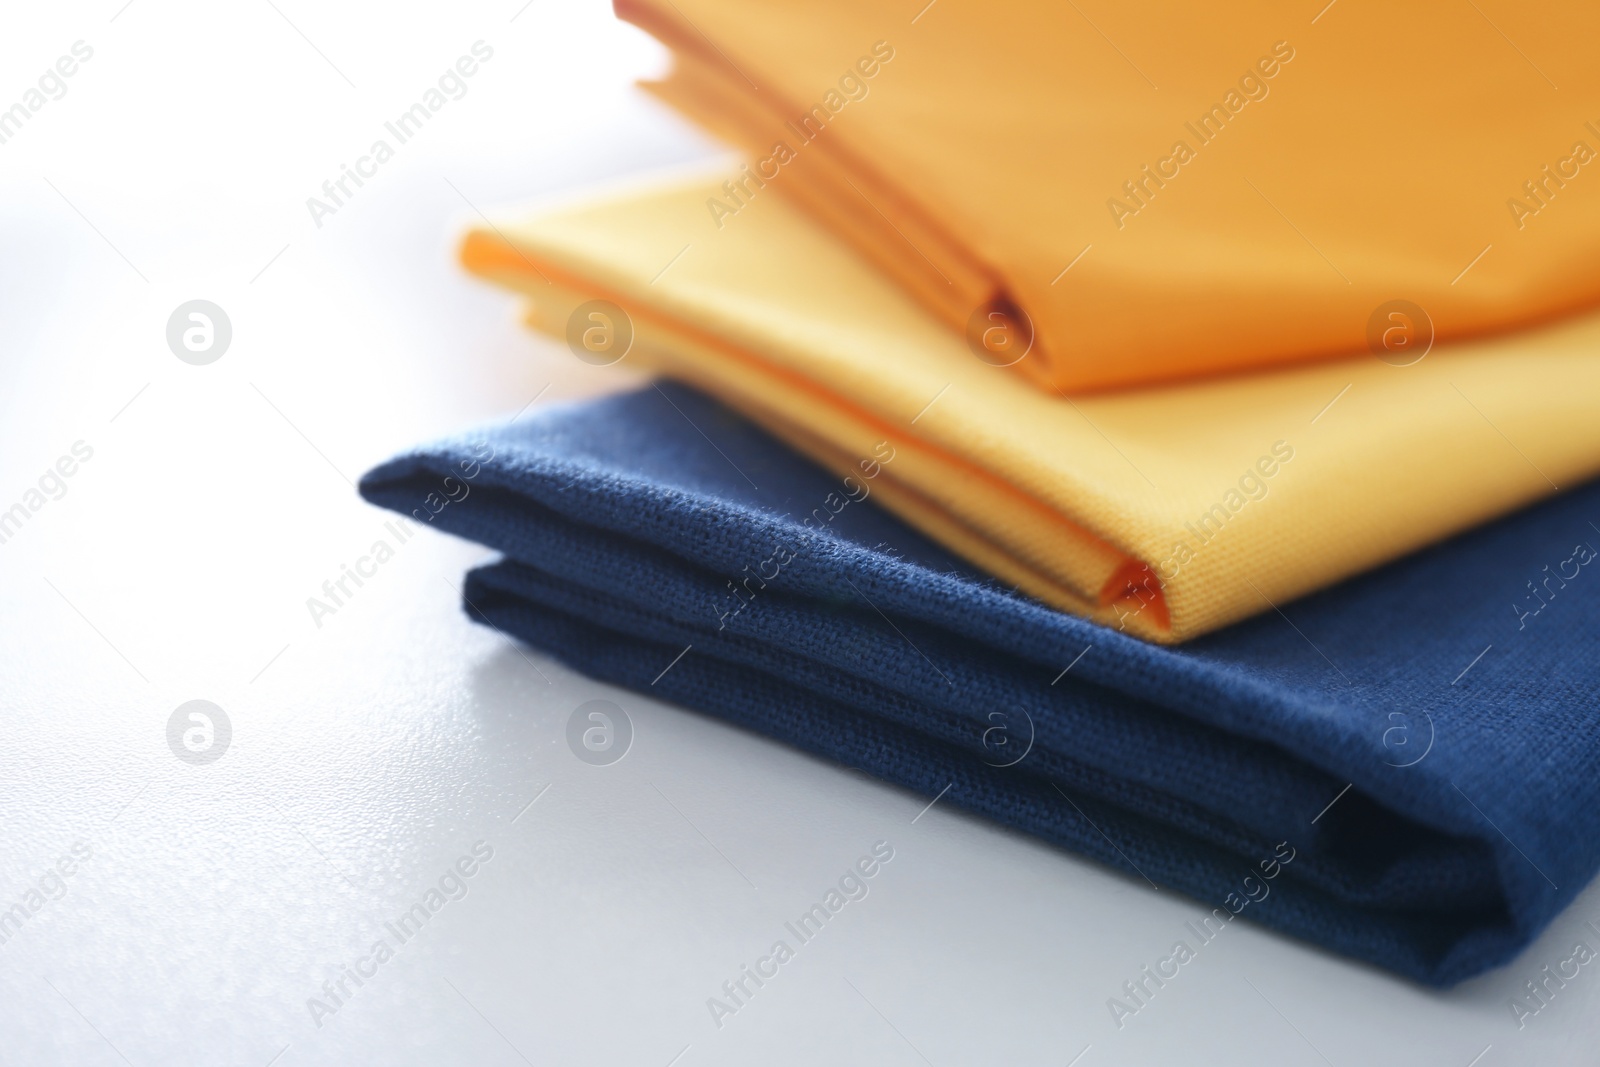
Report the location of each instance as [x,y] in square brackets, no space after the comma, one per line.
[1168,189]
[1168,512]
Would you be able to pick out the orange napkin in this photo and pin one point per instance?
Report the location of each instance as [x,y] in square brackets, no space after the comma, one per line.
[1137,192]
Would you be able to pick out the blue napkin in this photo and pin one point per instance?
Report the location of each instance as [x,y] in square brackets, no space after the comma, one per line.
[1404,768]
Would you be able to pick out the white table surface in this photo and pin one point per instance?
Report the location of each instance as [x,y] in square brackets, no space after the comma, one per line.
[371,752]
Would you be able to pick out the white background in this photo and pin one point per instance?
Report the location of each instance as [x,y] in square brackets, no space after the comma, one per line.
[369,753]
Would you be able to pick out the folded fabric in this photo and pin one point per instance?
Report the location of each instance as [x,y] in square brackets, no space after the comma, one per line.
[1164,190]
[1168,512]
[1403,768]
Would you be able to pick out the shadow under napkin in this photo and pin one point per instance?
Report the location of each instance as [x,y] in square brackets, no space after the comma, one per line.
[640,524]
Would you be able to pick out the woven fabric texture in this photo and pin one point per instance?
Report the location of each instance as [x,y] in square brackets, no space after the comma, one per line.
[1452,692]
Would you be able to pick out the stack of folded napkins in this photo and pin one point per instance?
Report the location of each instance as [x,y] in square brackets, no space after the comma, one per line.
[1155,470]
